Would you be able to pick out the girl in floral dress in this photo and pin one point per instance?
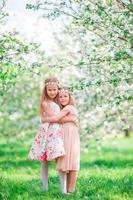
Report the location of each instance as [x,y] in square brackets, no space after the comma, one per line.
[48,143]
[68,165]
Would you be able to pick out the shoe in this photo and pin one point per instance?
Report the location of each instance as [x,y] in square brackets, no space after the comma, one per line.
[68,193]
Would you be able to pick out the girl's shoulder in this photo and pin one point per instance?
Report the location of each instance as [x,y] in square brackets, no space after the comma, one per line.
[44,102]
[70,108]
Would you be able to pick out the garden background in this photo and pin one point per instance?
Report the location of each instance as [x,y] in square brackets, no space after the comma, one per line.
[88,46]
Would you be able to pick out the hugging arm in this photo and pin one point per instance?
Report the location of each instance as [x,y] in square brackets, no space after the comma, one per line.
[69,118]
[56,118]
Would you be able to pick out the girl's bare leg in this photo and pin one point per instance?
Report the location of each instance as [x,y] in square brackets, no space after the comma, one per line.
[68,180]
[44,175]
[63,180]
[72,177]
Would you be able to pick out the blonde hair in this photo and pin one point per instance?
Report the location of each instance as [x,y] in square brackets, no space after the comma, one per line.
[44,95]
[71,99]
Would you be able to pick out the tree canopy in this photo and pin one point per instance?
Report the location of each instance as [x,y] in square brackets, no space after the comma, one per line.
[97,68]
[103,60]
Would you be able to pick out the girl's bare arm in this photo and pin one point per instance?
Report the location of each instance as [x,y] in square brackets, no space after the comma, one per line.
[48,111]
[68,118]
[56,118]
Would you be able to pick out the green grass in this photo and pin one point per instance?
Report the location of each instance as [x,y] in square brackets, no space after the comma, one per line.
[105,174]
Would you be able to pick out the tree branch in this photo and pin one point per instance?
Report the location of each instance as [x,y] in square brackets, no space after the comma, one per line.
[3,4]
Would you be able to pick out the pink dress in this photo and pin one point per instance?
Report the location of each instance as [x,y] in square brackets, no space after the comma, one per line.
[48,143]
[71,160]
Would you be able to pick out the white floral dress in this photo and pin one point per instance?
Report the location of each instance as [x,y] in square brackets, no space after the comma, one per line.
[48,143]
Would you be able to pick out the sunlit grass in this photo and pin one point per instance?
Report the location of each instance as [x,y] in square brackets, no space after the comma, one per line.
[105,174]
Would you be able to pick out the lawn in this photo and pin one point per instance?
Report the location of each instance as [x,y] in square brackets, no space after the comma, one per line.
[105,174]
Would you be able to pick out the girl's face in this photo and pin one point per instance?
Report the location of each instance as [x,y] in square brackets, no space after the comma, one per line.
[64,98]
[52,90]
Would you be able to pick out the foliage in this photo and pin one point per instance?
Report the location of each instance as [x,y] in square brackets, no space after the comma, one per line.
[19,63]
[102,82]
[16,54]
[104,174]
[97,67]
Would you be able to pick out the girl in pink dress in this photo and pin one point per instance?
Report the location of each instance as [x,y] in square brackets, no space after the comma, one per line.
[48,143]
[68,165]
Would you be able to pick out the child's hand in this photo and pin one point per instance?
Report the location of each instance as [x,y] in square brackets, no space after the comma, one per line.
[69,118]
[76,122]
[45,119]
